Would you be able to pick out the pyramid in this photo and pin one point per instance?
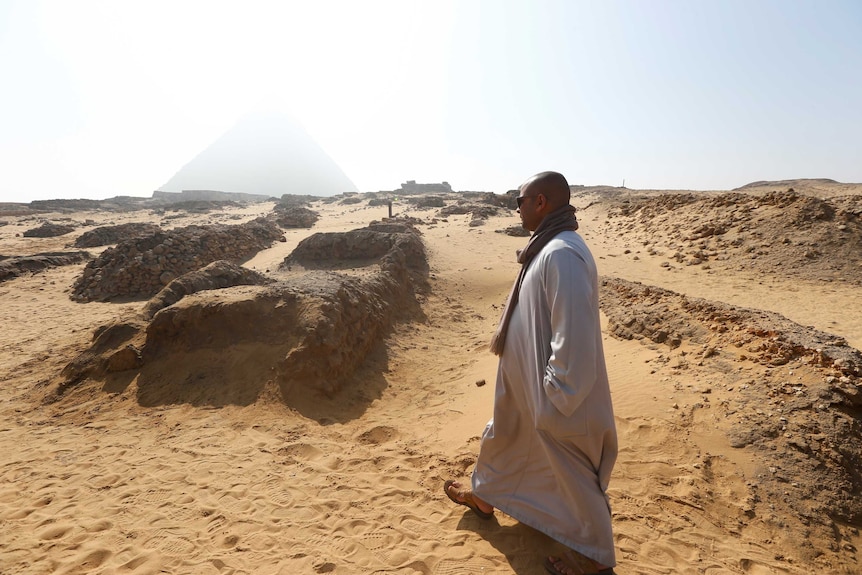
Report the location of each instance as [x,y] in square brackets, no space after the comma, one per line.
[264,153]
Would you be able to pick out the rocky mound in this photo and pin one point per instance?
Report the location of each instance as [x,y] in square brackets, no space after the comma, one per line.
[378,242]
[12,267]
[506,200]
[515,231]
[140,267]
[779,233]
[107,235]
[298,199]
[802,421]
[294,216]
[479,212]
[49,230]
[237,344]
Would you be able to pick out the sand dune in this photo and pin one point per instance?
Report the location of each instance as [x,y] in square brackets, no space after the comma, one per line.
[101,482]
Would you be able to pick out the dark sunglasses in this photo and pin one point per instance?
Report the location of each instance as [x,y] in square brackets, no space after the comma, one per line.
[520,199]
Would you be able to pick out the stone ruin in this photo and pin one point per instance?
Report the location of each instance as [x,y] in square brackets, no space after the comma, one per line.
[294,216]
[423,202]
[227,335]
[107,235]
[217,275]
[410,187]
[49,230]
[479,212]
[140,267]
[15,266]
[357,247]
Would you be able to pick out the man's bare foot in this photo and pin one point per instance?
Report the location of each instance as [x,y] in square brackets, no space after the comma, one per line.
[464,496]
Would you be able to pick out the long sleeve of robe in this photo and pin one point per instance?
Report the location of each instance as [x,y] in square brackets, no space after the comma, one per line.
[546,455]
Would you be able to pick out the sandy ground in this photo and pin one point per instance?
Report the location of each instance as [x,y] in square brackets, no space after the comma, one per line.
[353,485]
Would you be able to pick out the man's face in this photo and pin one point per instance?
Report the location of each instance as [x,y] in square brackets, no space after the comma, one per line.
[529,203]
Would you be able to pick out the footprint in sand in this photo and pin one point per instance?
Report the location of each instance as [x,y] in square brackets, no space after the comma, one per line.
[378,435]
[55,531]
[301,451]
[461,566]
[87,561]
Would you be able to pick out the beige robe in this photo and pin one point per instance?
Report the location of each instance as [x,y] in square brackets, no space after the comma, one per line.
[546,455]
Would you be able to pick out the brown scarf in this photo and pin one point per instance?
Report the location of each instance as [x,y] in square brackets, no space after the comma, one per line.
[561,219]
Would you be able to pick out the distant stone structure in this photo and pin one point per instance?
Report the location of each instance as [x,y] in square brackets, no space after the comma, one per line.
[411,187]
[208,195]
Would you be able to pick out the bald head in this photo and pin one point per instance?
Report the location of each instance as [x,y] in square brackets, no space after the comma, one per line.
[552,185]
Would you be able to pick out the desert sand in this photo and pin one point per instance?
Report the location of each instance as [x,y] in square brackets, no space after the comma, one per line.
[98,481]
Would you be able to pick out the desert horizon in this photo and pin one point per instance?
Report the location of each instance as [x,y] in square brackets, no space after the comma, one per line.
[283,386]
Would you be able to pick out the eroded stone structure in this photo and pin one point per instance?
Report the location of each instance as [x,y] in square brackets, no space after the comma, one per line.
[140,267]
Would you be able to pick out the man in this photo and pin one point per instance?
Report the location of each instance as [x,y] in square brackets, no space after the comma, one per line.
[546,455]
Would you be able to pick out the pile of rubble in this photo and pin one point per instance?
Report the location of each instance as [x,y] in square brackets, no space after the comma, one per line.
[12,267]
[140,267]
[293,216]
[49,230]
[107,235]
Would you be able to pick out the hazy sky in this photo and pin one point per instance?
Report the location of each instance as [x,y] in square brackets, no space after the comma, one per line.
[112,98]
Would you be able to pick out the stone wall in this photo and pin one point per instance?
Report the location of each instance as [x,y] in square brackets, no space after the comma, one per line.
[229,335]
[13,267]
[107,235]
[140,267]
